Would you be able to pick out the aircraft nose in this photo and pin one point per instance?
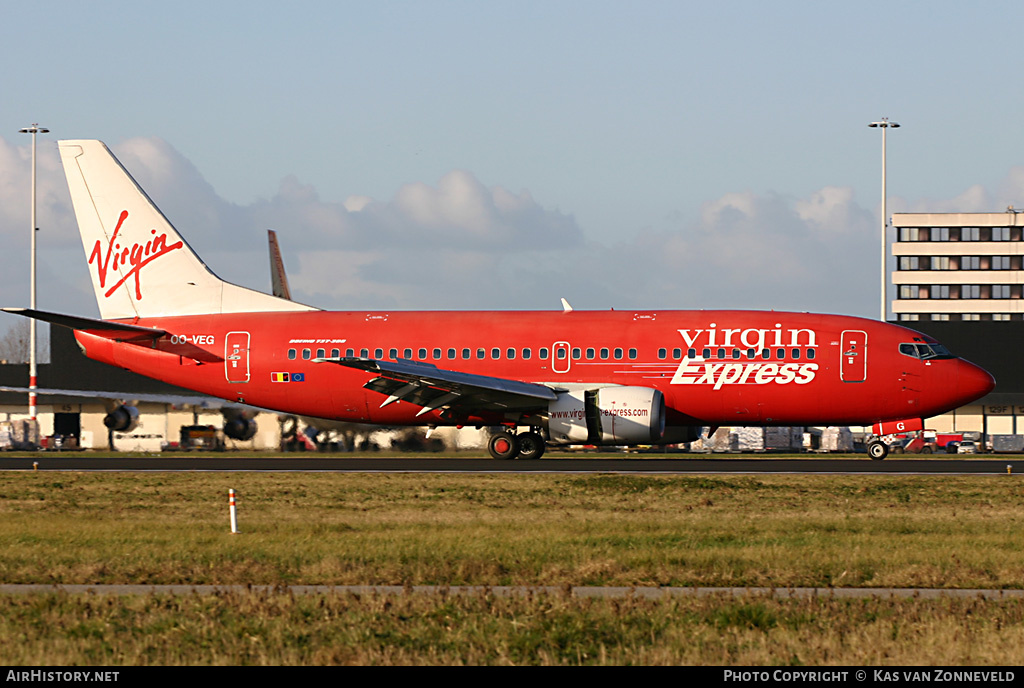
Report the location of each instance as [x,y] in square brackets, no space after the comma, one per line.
[972,382]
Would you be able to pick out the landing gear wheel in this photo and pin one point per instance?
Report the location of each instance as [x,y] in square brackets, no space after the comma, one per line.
[878,450]
[503,446]
[531,446]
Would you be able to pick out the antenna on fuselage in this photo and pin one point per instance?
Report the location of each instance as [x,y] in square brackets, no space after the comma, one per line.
[566,308]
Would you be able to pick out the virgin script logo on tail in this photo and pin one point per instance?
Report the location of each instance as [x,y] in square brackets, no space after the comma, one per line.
[137,256]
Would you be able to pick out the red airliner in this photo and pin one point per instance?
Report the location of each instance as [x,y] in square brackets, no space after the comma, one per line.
[571,377]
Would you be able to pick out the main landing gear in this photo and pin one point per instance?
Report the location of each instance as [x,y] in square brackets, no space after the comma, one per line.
[528,446]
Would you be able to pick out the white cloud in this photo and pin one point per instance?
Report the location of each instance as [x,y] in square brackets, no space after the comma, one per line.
[461,244]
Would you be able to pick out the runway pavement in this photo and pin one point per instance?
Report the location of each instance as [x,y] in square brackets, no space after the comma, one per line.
[428,464]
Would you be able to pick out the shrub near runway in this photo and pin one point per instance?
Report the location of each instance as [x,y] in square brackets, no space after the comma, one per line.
[926,531]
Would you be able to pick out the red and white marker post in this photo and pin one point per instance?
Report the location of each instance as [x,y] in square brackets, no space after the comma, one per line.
[234,511]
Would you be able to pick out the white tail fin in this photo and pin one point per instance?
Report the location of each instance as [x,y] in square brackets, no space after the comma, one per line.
[140,266]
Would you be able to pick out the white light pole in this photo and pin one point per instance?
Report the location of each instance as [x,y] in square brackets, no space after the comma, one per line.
[34,129]
[885,125]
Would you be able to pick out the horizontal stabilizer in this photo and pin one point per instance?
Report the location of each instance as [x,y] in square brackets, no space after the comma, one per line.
[101,328]
[180,400]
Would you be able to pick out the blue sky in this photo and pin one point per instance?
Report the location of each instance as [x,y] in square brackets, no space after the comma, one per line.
[504,154]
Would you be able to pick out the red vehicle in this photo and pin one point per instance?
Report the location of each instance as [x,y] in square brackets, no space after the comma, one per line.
[573,378]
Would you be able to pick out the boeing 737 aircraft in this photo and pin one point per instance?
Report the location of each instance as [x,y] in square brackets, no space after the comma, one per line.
[571,377]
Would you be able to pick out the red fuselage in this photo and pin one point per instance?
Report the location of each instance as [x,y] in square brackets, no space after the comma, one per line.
[713,367]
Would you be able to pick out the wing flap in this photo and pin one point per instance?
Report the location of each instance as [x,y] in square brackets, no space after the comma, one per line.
[426,385]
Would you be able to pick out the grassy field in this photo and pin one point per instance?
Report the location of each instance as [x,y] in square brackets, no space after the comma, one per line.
[781,531]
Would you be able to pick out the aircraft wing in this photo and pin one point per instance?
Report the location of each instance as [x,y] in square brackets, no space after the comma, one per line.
[426,385]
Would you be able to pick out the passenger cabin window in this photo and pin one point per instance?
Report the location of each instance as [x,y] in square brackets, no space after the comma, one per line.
[590,354]
[407,354]
[320,353]
[543,353]
[604,354]
[422,354]
[495,353]
[291,354]
[393,354]
[465,353]
[365,353]
[632,354]
[306,353]
[437,354]
[527,352]
[378,353]
[510,354]
[451,354]
[677,354]
[560,353]
[576,353]
[481,354]
[335,353]
[618,354]
[662,354]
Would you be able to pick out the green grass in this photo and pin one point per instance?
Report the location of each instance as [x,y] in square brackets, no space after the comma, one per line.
[559,530]
[276,629]
[915,531]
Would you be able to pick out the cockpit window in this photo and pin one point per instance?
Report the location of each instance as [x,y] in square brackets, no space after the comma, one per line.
[924,351]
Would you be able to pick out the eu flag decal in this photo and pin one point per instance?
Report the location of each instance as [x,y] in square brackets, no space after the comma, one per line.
[298,377]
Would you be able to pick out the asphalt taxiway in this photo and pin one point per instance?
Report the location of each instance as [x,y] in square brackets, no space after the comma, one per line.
[427,464]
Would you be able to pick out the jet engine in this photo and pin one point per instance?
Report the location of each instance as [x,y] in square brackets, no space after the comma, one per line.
[123,418]
[239,425]
[609,415]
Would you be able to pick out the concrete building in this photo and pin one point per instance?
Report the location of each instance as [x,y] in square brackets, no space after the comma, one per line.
[959,277]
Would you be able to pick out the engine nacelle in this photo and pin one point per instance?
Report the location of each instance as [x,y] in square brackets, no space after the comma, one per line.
[609,415]
[122,419]
[239,425]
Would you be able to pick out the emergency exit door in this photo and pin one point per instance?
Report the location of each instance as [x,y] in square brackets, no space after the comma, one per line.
[853,365]
[236,356]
